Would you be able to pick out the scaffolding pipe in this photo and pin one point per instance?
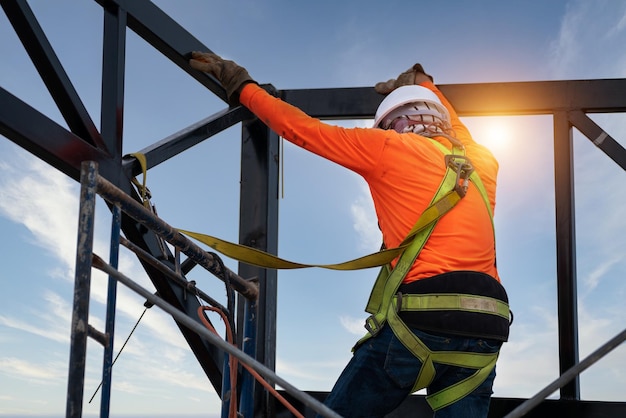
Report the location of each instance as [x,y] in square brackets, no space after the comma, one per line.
[107,360]
[82,287]
[214,339]
[572,372]
[170,234]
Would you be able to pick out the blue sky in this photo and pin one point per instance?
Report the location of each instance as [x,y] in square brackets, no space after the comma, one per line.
[325,214]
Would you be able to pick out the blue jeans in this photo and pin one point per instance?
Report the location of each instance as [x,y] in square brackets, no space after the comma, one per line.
[382,373]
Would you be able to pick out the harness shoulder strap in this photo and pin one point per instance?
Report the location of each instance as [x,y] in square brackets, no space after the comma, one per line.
[448,194]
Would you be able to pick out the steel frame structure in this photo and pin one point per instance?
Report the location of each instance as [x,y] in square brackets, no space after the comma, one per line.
[568,101]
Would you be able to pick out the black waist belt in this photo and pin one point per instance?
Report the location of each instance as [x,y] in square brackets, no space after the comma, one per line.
[457,303]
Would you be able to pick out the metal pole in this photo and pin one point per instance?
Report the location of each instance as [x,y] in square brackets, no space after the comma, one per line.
[248,343]
[198,328]
[566,251]
[227,394]
[82,285]
[525,407]
[107,362]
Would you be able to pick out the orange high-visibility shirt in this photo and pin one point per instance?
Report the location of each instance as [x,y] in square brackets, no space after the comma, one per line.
[403,172]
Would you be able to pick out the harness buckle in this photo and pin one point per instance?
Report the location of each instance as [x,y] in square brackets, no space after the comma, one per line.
[463,168]
[398,297]
[372,325]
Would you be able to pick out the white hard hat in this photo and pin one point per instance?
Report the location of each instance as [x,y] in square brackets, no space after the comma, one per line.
[398,103]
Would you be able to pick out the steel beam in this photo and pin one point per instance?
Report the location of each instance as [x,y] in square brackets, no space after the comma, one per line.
[51,71]
[113,75]
[605,142]
[258,228]
[183,140]
[416,406]
[484,99]
[566,252]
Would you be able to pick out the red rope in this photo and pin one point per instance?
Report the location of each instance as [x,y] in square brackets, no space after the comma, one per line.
[233,363]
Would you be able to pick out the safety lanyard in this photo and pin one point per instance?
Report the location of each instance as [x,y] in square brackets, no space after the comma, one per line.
[455,190]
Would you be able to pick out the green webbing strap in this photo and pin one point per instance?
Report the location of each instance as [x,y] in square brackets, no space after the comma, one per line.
[483,363]
[452,302]
[142,186]
[388,279]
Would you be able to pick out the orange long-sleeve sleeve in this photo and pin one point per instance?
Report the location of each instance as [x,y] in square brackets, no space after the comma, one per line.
[403,172]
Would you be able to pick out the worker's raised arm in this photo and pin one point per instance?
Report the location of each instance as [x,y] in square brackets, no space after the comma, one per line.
[340,145]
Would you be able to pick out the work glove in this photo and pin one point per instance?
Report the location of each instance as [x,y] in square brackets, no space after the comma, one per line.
[230,75]
[414,75]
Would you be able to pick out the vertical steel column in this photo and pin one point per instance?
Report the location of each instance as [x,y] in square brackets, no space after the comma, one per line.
[566,252]
[82,286]
[258,228]
[113,66]
[107,362]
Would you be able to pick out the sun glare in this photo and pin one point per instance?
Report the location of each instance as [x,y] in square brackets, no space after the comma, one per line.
[496,133]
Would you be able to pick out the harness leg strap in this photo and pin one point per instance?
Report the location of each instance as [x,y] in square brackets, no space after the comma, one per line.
[460,389]
[484,363]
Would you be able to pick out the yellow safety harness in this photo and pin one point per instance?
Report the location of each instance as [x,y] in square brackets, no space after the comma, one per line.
[385,302]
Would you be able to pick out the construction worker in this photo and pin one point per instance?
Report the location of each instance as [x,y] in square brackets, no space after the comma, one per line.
[439,311]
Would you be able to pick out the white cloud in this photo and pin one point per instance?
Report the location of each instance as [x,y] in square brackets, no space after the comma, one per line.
[364,220]
[353,325]
[593,279]
[40,373]
[46,328]
[590,39]
[42,199]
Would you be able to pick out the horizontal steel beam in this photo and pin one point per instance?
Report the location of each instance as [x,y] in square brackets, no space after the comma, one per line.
[416,406]
[186,138]
[483,99]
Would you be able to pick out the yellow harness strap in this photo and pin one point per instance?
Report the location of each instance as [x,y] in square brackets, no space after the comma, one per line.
[263,259]
[452,302]
[483,363]
[145,193]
